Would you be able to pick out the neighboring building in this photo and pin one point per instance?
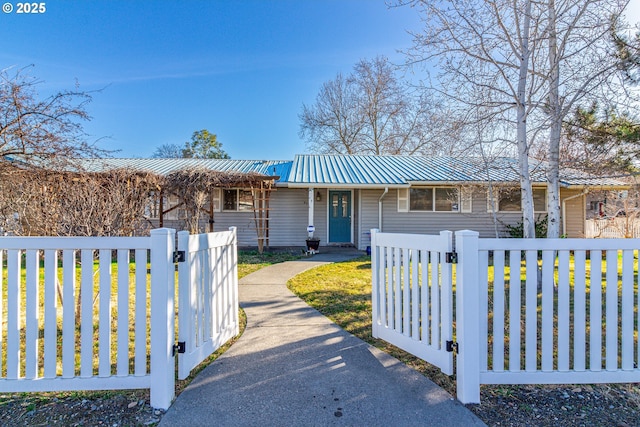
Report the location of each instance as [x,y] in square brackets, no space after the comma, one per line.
[345,196]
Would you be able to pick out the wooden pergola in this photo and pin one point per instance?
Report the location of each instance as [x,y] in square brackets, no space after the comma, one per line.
[194,188]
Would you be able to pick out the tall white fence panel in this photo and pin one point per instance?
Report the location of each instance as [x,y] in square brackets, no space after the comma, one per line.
[412,294]
[63,294]
[208,295]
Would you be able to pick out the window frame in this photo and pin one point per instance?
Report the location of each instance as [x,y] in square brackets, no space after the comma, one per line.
[499,192]
[238,200]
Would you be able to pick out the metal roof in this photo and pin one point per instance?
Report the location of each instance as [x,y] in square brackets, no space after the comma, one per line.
[364,171]
[358,170]
[166,166]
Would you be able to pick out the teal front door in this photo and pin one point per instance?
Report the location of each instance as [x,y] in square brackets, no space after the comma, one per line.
[340,216]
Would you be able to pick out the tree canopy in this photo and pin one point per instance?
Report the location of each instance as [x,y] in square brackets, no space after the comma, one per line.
[203,145]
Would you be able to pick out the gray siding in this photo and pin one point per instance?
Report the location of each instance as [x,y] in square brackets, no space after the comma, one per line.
[429,222]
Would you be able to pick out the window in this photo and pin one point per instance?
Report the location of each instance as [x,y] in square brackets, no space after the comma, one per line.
[510,200]
[237,200]
[434,199]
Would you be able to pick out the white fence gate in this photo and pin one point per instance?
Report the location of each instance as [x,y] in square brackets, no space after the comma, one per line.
[412,297]
[538,311]
[87,313]
[208,296]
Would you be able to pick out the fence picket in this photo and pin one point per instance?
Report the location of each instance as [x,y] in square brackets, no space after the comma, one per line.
[415,294]
[68,315]
[515,311]
[141,314]
[547,347]
[406,293]
[425,298]
[31,350]
[483,309]
[122,357]
[104,322]
[86,313]
[390,289]
[595,311]
[564,312]
[627,310]
[50,322]
[611,313]
[13,314]
[531,312]
[435,299]
[498,311]
[579,310]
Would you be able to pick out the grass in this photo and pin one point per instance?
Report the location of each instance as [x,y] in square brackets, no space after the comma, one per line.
[248,262]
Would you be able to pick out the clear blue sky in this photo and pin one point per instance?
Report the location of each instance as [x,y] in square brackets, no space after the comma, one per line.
[241,69]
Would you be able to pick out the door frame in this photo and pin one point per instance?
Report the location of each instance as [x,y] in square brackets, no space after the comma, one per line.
[351,209]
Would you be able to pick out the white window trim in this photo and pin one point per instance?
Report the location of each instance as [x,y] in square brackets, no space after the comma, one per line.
[403,200]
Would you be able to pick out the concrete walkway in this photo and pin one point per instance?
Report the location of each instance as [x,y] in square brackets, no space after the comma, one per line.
[294,367]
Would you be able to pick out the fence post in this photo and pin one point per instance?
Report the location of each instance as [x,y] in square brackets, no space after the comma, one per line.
[235,299]
[185,320]
[375,314]
[162,318]
[467,317]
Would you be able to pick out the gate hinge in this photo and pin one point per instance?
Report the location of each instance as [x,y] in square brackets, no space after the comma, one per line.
[452,346]
[179,256]
[181,347]
[451,257]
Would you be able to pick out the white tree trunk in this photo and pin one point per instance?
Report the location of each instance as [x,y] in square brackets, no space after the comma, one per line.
[555,111]
[528,219]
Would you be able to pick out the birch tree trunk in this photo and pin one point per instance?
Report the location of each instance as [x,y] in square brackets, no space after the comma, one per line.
[528,220]
[555,112]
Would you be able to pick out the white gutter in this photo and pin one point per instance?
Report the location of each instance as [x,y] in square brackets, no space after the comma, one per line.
[564,208]
[386,190]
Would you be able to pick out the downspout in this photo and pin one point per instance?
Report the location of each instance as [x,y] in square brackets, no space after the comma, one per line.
[564,209]
[386,190]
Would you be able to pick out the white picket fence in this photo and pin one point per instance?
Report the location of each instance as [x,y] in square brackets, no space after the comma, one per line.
[78,321]
[573,303]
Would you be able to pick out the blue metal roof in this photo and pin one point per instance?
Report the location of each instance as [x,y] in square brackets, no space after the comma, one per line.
[356,170]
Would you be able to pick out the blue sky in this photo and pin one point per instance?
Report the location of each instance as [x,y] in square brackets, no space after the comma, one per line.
[241,69]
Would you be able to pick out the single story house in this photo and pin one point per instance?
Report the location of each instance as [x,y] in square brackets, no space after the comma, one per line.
[345,196]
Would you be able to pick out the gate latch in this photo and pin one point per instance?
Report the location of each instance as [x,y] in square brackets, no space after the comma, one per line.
[452,347]
[181,347]
[179,256]
[451,257]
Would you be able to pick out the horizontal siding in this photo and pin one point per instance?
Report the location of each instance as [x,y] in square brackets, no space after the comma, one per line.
[290,210]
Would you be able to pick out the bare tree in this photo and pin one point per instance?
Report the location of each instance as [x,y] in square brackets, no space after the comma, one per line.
[34,129]
[370,111]
[168,151]
[532,62]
